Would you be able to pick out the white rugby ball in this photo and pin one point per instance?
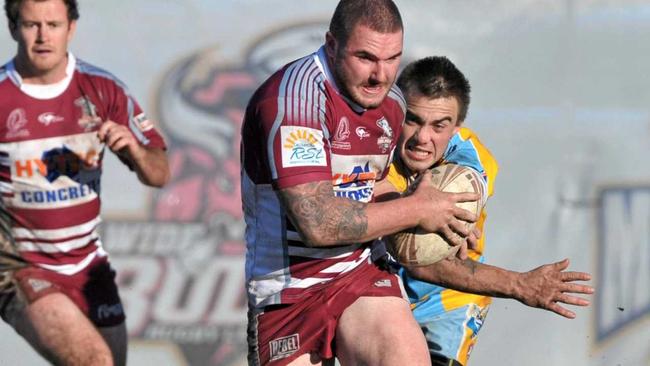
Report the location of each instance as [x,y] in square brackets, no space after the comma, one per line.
[415,247]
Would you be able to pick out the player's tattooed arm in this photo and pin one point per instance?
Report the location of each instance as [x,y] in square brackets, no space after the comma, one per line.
[323,219]
[326,220]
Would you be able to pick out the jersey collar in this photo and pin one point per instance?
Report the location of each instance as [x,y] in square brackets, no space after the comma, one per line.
[47,91]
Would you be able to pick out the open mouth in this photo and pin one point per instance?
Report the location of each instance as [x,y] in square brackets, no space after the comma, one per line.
[416,153]
[373,89]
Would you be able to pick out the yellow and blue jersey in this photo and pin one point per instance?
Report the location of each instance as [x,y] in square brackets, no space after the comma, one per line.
[451,319]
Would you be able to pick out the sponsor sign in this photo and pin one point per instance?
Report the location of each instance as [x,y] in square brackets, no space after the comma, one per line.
[302,146]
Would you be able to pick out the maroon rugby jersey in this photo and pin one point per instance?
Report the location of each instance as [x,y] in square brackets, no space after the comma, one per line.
[51,160]
[299,129]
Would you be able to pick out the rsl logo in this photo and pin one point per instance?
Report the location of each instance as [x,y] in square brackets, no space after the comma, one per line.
[302,146]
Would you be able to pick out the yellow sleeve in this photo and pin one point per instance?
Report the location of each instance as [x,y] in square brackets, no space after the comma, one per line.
[485,156]
[396,179]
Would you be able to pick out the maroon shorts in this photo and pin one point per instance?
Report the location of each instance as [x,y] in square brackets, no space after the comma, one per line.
[93,290]
[279,334]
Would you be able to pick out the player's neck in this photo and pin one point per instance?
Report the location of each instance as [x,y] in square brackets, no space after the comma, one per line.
[30,75]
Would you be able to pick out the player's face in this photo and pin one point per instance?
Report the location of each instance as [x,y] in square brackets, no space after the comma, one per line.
[366,67]
[43,32]
[430,124]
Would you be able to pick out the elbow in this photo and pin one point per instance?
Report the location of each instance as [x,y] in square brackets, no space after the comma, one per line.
[158,180]
[315,241]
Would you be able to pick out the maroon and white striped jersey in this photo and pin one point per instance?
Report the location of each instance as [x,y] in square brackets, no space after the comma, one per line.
[298,129]
[51,160]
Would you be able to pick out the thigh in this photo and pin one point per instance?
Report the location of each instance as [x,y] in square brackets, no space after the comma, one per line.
[60,332]
[380,331]
[292,334]
[116,339]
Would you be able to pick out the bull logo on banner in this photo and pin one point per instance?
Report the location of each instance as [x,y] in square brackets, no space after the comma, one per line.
[181,272]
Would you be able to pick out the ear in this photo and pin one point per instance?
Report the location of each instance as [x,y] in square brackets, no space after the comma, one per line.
[13,30]
[331,45]
[72,29]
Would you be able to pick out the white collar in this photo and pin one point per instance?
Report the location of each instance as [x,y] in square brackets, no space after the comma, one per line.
[43,91]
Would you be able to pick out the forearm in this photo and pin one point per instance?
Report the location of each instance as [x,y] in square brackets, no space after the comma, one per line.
[472,277]
[325,220]
[151,166]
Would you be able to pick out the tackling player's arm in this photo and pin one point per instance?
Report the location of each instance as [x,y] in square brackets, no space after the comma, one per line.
[149,163]
[326,220]
[543,287]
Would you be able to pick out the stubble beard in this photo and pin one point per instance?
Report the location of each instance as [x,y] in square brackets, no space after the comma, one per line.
[343,81]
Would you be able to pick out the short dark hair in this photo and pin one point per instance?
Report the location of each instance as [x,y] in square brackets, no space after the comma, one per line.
[12,9]
[379,15]
[436,77]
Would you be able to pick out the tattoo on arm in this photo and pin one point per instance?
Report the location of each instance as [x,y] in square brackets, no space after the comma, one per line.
[317,213]
[470,265]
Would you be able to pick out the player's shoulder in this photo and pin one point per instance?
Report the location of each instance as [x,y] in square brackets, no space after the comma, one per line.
[472,140]
[5,73]
[466,148]
[98,74]
[297,86]
[297,79]
[395,95]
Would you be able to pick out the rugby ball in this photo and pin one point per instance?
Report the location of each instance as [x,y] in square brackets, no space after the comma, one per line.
[415,247]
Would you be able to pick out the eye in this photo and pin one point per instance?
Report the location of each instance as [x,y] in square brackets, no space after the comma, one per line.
[393,60]
[440,126]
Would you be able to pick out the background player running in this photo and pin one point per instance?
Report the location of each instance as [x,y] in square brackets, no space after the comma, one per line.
[61,113]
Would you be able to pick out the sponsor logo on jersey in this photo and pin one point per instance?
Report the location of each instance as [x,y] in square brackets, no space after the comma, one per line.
[143,123]
[61,194]
[16,124]
[384,141]
[342,134]
[623,295]
[105,311]
[284,347]
[55,163]
[302,146]
[358,185]
[477,316]
[359,176]
[48,118]
[362,132]
[89,119]
[383,283]
[38,284]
